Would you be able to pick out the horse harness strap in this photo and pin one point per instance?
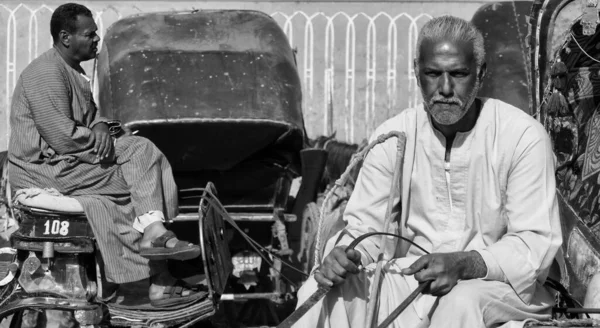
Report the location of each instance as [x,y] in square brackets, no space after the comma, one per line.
[320,293]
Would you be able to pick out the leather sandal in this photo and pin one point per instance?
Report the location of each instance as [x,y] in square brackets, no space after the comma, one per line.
[159,251]
[179,293]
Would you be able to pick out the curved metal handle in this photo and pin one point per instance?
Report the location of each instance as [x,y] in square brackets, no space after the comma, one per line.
[356,241]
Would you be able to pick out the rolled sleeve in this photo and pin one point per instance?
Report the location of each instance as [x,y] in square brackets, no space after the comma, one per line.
[100,119]
[494,272]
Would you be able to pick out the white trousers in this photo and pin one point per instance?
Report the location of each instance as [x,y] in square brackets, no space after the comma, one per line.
[471,303]
[141,222]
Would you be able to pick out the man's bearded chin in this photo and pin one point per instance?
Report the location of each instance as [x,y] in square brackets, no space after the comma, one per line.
[448,111]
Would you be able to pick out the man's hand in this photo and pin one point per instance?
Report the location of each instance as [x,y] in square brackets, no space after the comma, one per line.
[445,269]
[103,144]
[336,265]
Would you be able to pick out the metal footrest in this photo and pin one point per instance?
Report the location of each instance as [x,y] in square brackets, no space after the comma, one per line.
[89,313]
[190,313]
[92,313]
[247,217]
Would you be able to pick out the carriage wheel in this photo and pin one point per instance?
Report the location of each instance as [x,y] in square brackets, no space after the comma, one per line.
[331,223]
[308,238]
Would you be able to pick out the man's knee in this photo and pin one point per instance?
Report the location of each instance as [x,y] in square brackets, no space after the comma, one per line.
[466,296]
[136,145]
[464,305]
[138,141]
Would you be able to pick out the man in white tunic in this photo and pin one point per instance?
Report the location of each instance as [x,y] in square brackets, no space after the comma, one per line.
[478,193]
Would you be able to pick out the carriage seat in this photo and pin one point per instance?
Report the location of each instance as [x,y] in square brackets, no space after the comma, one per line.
[47,199]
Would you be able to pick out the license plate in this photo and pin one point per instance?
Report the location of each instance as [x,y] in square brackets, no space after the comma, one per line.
[55,227]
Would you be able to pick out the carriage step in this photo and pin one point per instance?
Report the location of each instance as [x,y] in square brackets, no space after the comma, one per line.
[123,317]
[87,313]
[252,217]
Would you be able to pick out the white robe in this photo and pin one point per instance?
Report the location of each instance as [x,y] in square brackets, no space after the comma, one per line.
[495,196]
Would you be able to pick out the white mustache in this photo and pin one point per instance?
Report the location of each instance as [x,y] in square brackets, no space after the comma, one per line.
[444,100]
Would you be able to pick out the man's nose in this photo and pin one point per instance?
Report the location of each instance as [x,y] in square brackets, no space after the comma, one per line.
[446,87]
[96,38]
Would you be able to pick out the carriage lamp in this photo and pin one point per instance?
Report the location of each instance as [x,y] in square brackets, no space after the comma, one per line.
[31,264]
[48,255]
[245,266]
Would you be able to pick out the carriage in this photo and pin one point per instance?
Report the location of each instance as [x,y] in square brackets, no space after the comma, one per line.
[560,65]
[219,94]
[552,72]
[563,58]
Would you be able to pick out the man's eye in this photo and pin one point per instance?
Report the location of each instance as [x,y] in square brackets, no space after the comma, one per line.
[432,74]
[460,74]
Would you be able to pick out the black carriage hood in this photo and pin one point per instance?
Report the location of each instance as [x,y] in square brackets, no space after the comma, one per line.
[219,84]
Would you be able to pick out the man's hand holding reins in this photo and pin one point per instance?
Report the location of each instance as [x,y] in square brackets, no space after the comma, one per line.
[446,269]
[337,265]
[103,143]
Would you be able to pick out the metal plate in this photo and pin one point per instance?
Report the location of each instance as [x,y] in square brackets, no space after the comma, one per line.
[215,250]
[52,226]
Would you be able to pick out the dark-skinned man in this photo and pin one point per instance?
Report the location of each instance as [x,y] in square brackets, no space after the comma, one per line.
[125,184]
[478,193]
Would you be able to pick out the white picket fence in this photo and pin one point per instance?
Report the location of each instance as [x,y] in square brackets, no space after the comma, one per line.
[355,63]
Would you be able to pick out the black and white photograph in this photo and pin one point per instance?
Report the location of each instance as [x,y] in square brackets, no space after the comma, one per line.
[299,164]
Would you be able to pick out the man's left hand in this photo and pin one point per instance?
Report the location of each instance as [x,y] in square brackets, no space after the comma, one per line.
[445,269]
[103,142]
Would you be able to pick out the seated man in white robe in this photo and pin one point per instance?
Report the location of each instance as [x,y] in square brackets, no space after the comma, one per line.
[477,193]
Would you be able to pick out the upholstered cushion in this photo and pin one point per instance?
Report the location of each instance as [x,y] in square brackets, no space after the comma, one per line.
[47,199]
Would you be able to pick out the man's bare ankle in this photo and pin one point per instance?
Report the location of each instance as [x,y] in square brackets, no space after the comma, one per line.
[162,278]
[155,229]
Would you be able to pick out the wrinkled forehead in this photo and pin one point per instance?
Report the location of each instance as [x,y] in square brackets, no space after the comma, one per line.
[458,50]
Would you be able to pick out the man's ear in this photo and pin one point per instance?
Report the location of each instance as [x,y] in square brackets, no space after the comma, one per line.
[482,71]
[416,69]
[65,38]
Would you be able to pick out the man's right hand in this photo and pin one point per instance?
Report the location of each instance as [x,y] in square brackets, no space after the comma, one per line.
[103,144]
[337,265]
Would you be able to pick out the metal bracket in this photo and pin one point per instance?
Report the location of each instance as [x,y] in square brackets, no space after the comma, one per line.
[52,303]
[215,250]
[589,20]
[279,231]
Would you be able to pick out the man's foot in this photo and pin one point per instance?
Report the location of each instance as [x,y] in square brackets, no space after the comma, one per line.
[166,291]
[108,292]
[158,243]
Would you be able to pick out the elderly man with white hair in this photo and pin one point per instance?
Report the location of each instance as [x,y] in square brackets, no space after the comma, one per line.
[478,194]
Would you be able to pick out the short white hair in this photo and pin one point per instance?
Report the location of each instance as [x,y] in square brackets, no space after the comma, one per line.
[453,29]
